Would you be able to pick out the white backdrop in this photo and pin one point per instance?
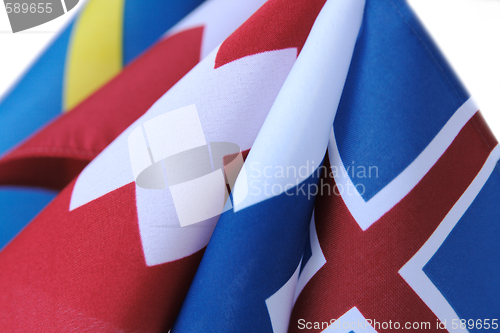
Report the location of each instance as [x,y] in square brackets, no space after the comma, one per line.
[467,31]
[19,50]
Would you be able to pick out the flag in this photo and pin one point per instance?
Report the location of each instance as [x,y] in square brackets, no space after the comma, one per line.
[408,239]
[122,235]
[92,49]
[54,156]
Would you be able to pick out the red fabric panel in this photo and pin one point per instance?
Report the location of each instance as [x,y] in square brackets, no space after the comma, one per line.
[48,172]
[75,138]
[85,270]
[277,25]
[485,130]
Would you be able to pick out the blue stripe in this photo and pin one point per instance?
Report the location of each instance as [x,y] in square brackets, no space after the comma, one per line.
[251,255]
[466,268]
[34,101]
[145,21]
[18,206]
[37,98]
[398,95]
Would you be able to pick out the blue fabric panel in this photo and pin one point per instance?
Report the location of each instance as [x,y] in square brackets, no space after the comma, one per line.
[145,21]
[18,206]
[251,255]
[466,268]
[307,252]
[37,98]
[398,95]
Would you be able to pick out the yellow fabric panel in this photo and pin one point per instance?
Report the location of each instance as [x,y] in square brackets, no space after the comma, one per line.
[95,50]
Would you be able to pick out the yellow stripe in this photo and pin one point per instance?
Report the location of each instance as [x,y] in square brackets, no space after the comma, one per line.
[95,50]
